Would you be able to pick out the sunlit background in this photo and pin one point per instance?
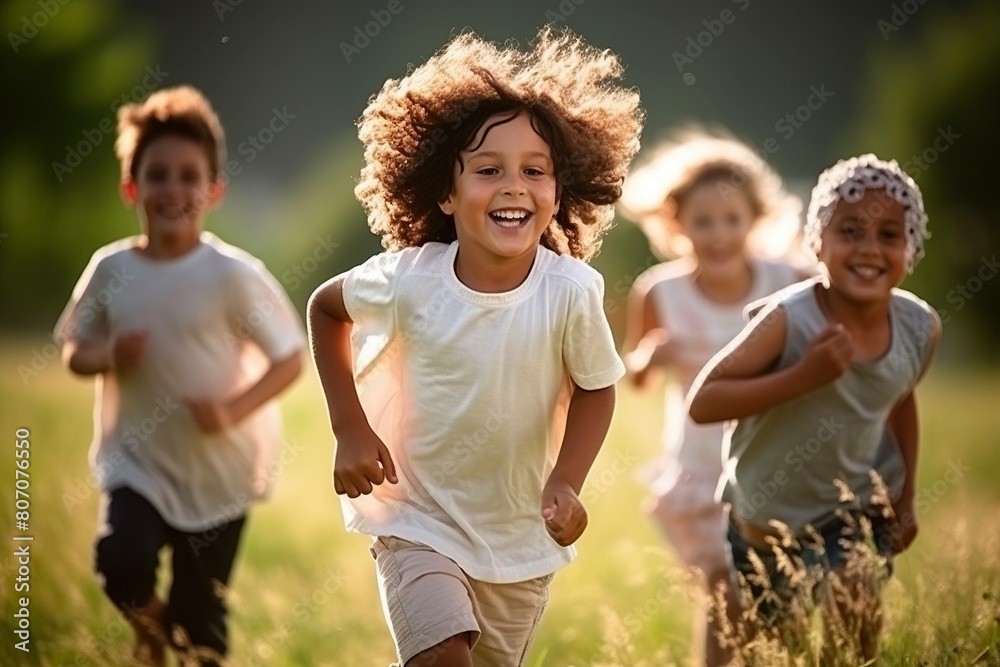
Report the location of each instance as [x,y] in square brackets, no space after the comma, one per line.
[804,83]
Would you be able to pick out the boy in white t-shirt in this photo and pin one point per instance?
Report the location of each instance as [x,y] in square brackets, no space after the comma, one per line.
[469,371]
[190,339]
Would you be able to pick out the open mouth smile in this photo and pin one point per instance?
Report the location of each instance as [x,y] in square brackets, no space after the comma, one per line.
[510,218]
[866,272]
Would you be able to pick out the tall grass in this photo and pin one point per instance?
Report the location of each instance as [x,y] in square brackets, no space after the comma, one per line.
[304,592]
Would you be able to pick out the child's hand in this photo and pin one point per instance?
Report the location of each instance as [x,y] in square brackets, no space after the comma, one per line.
[362,460]
[128,350]
[828,355]
[564,514]
[212,416]
[657,348]
[905,529]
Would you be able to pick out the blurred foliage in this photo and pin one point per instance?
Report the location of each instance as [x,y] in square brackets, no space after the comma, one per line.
[58,198]
[930,103]
[71,72]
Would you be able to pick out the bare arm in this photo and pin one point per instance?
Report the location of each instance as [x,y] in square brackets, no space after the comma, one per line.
[736,383]
[587,425]
[87,358]
[904,423]
[277,378]
[362,459]
[120,354]
[214,415]
[330,340]
[646,341]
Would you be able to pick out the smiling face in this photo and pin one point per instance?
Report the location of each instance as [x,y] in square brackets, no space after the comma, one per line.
[504,197]
[716,224]
[172,192]
[864,247]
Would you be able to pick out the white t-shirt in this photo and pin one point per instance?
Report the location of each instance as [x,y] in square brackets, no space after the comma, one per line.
[470,391]
[210,314]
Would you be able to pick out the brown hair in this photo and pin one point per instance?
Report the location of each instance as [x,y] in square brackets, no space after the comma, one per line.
[181,111]
[415,128]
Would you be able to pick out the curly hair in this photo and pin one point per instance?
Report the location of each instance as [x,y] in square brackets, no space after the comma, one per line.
[654,193]
[414,129]
[180,111]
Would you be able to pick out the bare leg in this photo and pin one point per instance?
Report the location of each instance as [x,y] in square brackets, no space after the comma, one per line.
[452,652]
[149,634]
[852,612]
[722,621]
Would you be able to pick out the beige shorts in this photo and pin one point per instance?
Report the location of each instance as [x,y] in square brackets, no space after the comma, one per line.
[427,598]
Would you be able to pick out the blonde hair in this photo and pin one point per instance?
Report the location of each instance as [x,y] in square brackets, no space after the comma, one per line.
[415,128]
[180,111]
[654,192]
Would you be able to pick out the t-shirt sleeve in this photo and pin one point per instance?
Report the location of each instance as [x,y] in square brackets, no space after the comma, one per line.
[589,347]
[261,306]
[370,289]
[85,317]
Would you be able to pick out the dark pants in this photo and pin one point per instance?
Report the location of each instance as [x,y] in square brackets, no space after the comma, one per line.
[839,535]
[127,555]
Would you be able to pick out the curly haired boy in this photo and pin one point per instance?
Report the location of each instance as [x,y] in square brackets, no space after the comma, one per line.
[469,371]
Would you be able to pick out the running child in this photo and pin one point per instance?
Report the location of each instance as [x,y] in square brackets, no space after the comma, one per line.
[713,206]
[812,382]
[469,371]
[191,339]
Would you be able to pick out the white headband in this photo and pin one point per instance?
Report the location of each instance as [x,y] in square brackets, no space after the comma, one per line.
[849,180]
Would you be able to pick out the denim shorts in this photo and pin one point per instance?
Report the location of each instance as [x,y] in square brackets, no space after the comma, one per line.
[839,535]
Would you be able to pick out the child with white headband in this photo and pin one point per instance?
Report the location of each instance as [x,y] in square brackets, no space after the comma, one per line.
[809,386]
[724,222]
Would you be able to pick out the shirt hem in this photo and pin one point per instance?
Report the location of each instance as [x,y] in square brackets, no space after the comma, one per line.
[505,575]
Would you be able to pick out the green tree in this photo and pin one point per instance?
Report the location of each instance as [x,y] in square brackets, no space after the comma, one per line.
[930,103]
[69,67]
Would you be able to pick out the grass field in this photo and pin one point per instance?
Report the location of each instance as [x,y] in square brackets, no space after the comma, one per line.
[304,591]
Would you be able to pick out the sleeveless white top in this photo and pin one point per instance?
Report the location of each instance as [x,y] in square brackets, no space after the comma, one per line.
[701,327]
